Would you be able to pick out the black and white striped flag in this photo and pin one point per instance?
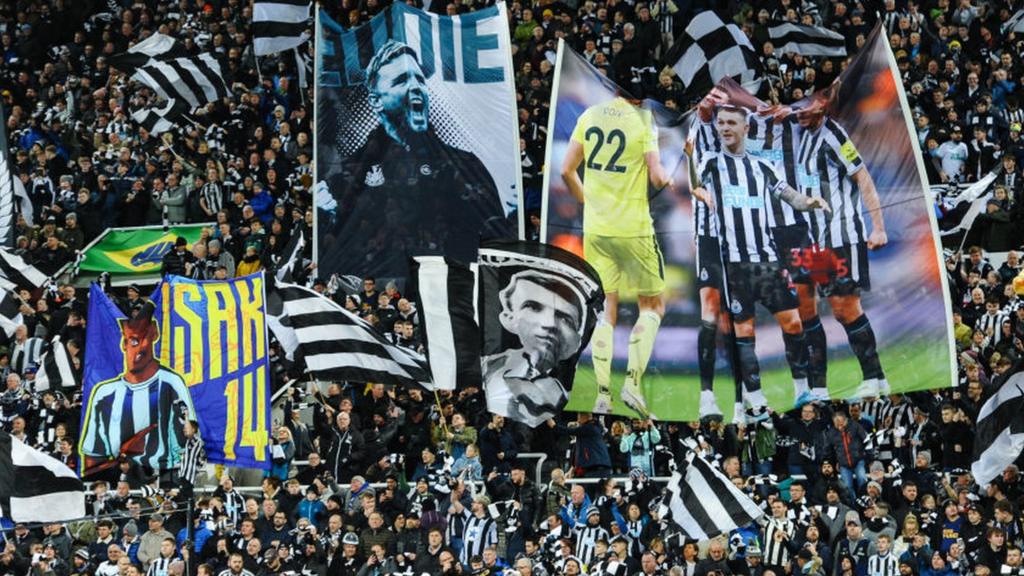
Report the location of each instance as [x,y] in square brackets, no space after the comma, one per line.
[704,503]
[159,119]
[999,439]
[279,25]
[10,312]
[12,193]
[35,487]
[709,50]
[806,40]
[161,63]
[1014,24]
[338,345]
[290,258]
[445,295]
[56,372]
[23,275]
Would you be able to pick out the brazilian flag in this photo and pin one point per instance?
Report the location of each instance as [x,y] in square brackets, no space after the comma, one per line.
[137,250]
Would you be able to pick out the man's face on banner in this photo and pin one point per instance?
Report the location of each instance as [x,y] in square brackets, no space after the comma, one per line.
[731,125]
[545,321]
[137,340]
[400,96]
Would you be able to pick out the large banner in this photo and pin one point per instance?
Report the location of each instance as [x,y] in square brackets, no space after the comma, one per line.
[136,251]
[198,351]
[538,305]
[852,300]
[417,139]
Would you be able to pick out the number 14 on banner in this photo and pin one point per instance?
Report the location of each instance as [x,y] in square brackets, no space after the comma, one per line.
[251,435]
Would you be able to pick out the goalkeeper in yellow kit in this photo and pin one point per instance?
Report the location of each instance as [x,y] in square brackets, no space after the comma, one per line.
[619,144]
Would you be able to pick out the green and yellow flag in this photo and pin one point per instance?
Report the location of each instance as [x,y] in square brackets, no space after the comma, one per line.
[136,251]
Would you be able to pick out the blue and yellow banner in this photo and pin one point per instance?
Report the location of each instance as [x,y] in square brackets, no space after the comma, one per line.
[198,352]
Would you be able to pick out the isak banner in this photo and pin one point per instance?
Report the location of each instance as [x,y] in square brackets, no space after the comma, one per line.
[754,292]
[197,351]
[137,251]
[416,123]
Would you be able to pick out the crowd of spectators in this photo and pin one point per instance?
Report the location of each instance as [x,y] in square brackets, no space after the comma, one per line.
[395,481]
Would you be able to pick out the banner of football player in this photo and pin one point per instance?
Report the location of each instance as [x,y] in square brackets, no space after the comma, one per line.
[136,251]
[537,306]
[197,351]
[416,123]
[748,270]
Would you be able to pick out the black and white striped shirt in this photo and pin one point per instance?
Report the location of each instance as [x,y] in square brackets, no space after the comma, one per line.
[705,143]
[213,194]
[776,553]
[741,185]
[234,505]
[992,322]
[777,141]
[26,353]
[159,566]
[477,534]
[193,458]
[586,541]
[826,161]
[883,565]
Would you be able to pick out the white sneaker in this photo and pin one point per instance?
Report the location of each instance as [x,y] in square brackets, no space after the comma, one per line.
[867,389]
[883,387]
[738,416]
[800,387]
[708,404]
[633,396]
[755,399]
[603,404]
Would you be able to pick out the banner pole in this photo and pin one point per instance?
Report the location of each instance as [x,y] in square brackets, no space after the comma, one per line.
[546,183]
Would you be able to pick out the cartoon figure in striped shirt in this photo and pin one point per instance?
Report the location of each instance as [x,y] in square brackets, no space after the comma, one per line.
[142,412]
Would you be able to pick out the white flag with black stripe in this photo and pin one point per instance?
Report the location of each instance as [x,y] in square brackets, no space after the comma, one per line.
[35,487]
[279,25]
[338,345]
[709,50]
[292,258]
[999,437]
[159,119]
[445,295]
[806,40]
[705,503]
[158,62]
[10,311]
[55,372]
[1014,24]
[21,274]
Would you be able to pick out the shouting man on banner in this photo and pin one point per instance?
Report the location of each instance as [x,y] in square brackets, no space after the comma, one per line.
[620,143]
[443,195]
[142,412]
[547,315]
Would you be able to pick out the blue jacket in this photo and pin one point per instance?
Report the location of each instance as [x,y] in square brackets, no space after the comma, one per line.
[591,448]
[309,510]
[573,517]
[199,537]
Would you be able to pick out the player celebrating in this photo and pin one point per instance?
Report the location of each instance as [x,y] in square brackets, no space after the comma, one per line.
[709,275]
[829,167]
[620,144]
[736,186]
